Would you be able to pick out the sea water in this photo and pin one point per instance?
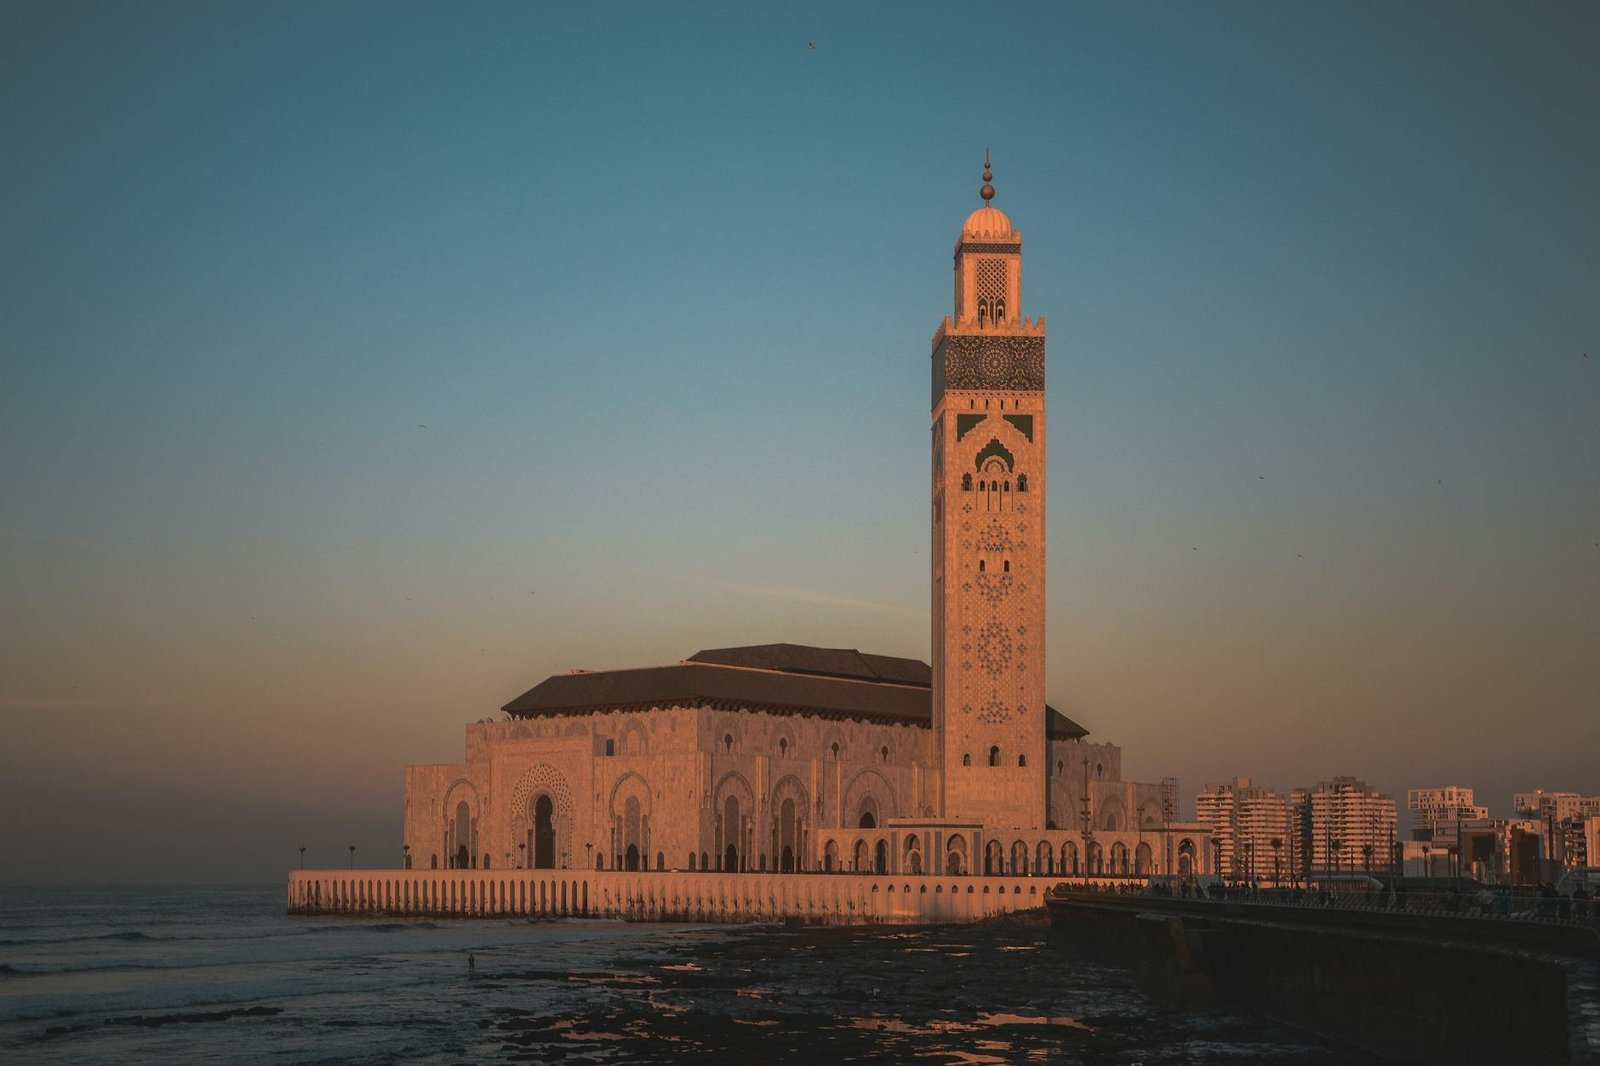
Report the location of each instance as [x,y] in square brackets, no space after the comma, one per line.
[222,974]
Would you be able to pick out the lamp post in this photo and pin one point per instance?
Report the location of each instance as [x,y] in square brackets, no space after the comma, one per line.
[405,856]
[352,856]
[522,848]
[302,856]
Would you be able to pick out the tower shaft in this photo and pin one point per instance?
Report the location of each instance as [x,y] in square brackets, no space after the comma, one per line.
[988,428]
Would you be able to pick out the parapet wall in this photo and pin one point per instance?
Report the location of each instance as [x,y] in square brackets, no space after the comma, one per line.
[664,896]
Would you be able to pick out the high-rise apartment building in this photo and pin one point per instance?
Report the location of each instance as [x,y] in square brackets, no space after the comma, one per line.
[1253,831]
[1431,806]
[1347,826]
[1559,806]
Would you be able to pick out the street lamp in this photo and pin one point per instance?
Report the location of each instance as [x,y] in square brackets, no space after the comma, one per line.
[302,856]
[522,848]
[352,856]
[405,855]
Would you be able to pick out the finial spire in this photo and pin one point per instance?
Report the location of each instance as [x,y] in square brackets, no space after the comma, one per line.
[987,192]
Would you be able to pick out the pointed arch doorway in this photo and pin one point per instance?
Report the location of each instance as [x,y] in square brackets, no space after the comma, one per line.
[543,834]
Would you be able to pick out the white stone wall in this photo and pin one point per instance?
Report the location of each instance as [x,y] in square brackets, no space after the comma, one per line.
[659,782]
[671,896]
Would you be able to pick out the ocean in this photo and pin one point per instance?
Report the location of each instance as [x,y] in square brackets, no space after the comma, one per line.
[184,974]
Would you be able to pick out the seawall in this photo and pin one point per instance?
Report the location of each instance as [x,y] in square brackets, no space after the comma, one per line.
[664,896]
[1408,988]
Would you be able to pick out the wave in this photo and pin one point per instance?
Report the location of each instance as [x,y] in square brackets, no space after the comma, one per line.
[151,1021]
[125,935]
[136,936]
[12,973]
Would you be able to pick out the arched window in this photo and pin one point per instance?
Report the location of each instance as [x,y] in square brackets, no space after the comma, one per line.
[783,747]
[1006,566]
[994,755]
[1099,771]
[1007,486]
[661,861]
[883,753]
[966,482]
[691,861]
[1022,482]
[727,741]
[1022,760]
[433,863]
[981,488]
[966,760]
[980,566]
[611,746]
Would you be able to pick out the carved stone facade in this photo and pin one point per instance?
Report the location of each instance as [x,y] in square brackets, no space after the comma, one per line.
[693,786]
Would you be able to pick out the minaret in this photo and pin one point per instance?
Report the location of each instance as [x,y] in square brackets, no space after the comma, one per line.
[989,534]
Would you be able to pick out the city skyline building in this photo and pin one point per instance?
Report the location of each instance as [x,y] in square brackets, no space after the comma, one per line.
[1430,806]
[1346,826]
[1554,805]
[1253,831]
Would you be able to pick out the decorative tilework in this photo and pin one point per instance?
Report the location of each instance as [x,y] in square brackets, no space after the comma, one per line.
[1006,363]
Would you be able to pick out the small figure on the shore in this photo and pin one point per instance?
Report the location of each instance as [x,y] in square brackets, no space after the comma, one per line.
[472,961]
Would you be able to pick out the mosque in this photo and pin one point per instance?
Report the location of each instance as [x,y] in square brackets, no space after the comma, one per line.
[793,759]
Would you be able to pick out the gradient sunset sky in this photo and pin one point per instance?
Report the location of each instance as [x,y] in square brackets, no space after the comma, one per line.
[363,364]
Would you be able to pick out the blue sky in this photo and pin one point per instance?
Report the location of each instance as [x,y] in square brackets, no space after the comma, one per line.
[360,365]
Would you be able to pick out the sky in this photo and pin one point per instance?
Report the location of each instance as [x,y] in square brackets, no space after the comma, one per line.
[363,364]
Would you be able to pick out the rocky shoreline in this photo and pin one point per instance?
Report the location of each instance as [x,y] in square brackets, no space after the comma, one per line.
[991,992]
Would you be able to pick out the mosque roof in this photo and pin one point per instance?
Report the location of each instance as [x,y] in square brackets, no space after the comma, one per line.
[827,662]
[781,678]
